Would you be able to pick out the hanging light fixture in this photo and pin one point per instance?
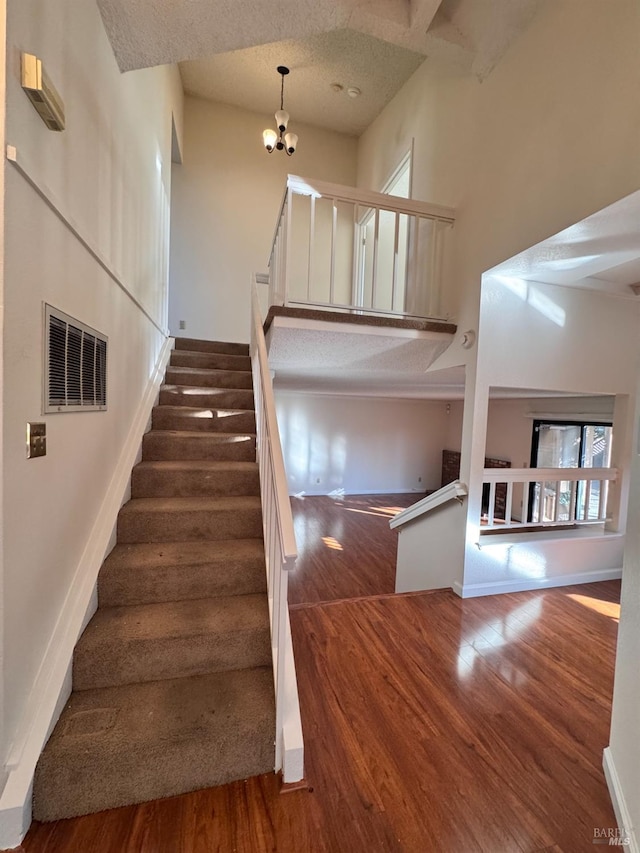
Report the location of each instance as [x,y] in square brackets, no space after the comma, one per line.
[282,139]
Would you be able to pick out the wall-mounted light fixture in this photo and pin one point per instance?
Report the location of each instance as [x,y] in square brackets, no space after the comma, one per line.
[283,140]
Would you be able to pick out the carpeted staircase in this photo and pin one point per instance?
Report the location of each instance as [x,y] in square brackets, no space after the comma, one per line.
[172,678]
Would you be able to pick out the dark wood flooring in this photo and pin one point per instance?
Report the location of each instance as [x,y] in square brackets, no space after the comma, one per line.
[431,724]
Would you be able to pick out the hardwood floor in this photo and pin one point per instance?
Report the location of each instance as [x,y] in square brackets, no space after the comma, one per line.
[432,725]
[345,546]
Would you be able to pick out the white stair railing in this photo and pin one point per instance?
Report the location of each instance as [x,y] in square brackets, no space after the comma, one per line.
[280,554]
[341,248]
[560,496]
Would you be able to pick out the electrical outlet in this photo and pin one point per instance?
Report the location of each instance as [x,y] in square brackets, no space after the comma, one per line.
[182,324]
[317,479]
[419,479]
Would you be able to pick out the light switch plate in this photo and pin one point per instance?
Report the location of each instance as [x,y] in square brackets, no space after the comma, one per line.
[36,440]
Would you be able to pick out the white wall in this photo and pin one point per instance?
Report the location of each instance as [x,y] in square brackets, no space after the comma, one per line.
[520,155]
[360,444]
[567,339]
[622,759]
[226,199]
[108,174]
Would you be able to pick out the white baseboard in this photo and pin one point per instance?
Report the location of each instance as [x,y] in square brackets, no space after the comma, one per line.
[52,685]
[472,590]
[619,802]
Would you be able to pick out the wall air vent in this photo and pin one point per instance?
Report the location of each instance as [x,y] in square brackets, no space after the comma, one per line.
[75,369]
[41,92]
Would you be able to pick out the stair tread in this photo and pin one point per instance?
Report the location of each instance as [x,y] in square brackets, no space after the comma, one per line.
[169,620]
[190,411]
[209,436]
[178,368]
[235,397]
[119,745]
[201,345]
[174,705]
[180,504]
[228,361]
[185,351]
[196,465]
[202,552]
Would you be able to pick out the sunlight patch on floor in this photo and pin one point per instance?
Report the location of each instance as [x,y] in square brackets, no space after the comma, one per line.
[606,608]
[378,511]
[332,543]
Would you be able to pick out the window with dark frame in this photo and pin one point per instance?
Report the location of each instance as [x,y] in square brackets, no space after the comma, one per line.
[569,444]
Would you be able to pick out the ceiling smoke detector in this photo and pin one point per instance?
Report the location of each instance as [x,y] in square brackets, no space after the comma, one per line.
[354,92]
[337,87]
[636,288]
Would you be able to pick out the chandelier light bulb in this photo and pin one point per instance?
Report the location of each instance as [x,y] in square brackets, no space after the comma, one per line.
[269,137]
[282,120]
[290,142]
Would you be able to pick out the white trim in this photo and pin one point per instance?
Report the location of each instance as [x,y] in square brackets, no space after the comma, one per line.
[547,475]
[618,801]
[48,196]
[473,590]
[567,417]
[456,490]
[292,737]
[52,684]
[310,186]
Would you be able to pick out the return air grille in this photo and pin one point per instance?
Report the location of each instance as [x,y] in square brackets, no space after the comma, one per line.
[75,365]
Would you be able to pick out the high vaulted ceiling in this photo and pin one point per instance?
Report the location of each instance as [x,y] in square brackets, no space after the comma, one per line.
[228,51]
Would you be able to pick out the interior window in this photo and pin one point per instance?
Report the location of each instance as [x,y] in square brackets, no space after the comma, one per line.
[569,444]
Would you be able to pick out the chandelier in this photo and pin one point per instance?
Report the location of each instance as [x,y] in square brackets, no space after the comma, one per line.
[281,139]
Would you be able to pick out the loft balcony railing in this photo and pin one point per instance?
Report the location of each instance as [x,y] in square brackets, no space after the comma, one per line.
[345,249]
[546,497]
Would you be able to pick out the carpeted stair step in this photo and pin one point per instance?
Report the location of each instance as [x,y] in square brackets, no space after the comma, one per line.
[165,445]
[208,378]
[141,742]
[196,345]
[221,398]
[150,642]
[203,419]
[147,573]
[179,519]
[195,478]
[210,360]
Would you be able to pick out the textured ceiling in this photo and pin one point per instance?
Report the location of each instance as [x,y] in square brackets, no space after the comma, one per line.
[601,253]
[372,44]
[248,78]
[376,361]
